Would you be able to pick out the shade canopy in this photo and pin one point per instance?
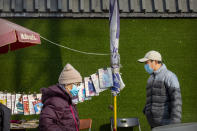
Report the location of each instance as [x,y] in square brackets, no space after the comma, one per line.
[13,37]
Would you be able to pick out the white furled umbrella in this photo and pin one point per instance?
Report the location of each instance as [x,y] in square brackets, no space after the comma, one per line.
[115,57]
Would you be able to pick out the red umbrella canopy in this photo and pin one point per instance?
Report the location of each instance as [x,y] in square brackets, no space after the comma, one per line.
[13,36]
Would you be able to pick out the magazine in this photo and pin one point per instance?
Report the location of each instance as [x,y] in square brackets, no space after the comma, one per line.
[92,91]
[39,96]
[3,98]
[86,79]
[32,98]
[81,93]
[95,80]
[26,104]
[75,99]
[13,103]
[18,109]
[86,89]
[38,104]
[9,101]
[105,78]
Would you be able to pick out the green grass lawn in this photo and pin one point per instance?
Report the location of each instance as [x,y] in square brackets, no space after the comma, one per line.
[28,70]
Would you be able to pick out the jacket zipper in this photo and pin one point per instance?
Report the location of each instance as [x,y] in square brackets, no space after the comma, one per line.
[74,117]
[152,93]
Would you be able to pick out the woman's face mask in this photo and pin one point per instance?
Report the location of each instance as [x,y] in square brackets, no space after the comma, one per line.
[74,91]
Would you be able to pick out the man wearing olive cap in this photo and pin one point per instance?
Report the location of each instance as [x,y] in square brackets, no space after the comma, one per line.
[163,95]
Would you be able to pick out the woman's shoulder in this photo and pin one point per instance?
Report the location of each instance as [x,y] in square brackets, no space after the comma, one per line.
[56,101]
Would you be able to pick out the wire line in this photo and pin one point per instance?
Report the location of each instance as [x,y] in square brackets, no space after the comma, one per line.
[83,52]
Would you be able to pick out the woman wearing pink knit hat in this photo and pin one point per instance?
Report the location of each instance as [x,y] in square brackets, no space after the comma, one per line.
[59,113]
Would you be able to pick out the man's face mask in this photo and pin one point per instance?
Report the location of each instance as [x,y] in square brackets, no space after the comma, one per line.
[148,68]
[74,91]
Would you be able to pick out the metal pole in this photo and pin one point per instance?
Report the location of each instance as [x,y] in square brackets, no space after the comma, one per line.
[115,113]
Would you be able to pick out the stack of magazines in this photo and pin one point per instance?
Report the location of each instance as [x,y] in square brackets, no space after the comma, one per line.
[27,104]
[23,124]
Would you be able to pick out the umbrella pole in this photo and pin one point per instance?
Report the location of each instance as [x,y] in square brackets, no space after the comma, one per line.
[115,113]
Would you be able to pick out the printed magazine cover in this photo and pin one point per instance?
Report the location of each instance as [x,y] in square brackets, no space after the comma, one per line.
[95,80]
[105,78]
[81,93]
[32,98]
[9,101]
[3,98]
[39,96]
[18,109]
[75,99]
[13,102]
[26,104]
[38,104]
[86,79]
[92,91]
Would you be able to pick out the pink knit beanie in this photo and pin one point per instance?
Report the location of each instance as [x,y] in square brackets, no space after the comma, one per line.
[69,75]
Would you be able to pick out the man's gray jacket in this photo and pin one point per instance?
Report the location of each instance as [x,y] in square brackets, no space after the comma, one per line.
[163,98]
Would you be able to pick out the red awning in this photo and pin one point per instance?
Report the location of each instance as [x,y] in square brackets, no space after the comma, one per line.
[13,36]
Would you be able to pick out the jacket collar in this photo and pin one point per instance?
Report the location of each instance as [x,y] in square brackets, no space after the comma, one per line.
[54,90]
[161,69]
[62,87]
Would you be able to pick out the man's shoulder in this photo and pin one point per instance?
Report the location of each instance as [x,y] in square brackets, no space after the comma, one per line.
[169,74]
[171,79]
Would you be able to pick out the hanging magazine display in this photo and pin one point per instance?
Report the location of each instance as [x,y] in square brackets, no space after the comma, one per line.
[29,104]
[26,104]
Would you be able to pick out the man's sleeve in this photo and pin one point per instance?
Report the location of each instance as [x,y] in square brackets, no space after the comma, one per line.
[175,99]
[6,118]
